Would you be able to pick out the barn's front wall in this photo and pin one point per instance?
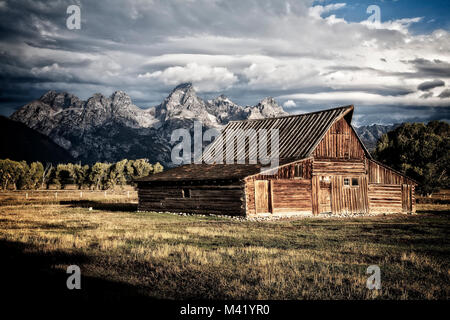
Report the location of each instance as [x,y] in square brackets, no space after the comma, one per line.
[338,179]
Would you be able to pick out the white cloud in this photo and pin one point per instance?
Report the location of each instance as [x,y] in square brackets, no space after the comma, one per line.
[289,104]
[317,11]
[365,98]
[400,25]
[204,77]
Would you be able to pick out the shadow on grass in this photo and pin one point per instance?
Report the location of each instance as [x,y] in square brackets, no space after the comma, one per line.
[29,275]
[105,206]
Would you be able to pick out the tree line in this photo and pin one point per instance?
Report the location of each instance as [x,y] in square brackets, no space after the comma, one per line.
[420,151]
[100,176]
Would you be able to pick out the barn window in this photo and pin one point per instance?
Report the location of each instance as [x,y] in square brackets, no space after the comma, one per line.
[186,193]
[355,182]
[346,181]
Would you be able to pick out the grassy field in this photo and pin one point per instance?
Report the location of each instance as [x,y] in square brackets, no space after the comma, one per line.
[123,253]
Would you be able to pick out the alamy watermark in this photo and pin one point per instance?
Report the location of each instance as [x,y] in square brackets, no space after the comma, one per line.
[74,280]
[374,281]
[375,10]
[240,146]
[73,22]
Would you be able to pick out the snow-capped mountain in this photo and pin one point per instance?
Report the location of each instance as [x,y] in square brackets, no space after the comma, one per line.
[112,128]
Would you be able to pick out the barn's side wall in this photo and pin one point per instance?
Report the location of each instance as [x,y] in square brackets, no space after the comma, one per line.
[389,190]
[385,198]
[204,198]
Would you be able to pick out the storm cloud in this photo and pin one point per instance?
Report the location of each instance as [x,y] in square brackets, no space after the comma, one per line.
[303,53]
[427,85]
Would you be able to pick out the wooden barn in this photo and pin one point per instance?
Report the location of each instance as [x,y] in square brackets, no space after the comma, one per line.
[323,168]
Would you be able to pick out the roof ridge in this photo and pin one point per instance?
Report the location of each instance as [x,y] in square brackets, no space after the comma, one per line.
[295,115]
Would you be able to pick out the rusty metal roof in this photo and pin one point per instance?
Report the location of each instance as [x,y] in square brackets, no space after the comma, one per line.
[298,134]
[298,137]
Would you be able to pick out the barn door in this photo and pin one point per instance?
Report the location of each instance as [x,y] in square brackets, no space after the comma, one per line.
[262,196]
[406,198]
[325,197]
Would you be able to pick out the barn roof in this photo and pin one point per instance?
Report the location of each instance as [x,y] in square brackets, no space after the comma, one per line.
[298,137]
[201,172]
[298,134]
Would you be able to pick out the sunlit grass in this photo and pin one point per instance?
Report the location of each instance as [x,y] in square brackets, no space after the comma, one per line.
[170,256]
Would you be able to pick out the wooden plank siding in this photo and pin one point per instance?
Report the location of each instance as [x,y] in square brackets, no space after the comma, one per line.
[349,199]
[385,198]
[285,195]
[340,142]
[216,199]
[384,175]
[291,196]
[338,167]
[289,188]
[315,189]
[262,196]
[296,170]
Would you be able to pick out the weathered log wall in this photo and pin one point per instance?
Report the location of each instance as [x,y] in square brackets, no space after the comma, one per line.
[215,199]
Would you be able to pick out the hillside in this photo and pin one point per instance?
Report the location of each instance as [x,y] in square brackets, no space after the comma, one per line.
[18,142]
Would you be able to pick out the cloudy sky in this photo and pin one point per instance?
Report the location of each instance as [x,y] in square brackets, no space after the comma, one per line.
[309,55]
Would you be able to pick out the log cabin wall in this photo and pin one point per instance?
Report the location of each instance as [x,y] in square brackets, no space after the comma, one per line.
[227,199]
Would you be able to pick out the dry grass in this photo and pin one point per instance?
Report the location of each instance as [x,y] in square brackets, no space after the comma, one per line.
[166,256]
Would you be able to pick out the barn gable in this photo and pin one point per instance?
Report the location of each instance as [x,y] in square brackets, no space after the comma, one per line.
[299,135]
[341,142]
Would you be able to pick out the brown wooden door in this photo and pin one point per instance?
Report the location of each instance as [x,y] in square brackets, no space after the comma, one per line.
[262,196]
[325,197]
[406,198]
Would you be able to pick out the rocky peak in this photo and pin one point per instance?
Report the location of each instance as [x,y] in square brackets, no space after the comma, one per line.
[120,98]
[267,108]
[183,94]
[60,100]
[182,102]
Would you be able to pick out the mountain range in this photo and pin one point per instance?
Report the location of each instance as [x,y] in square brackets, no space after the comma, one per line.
[370,134]
[112,128]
